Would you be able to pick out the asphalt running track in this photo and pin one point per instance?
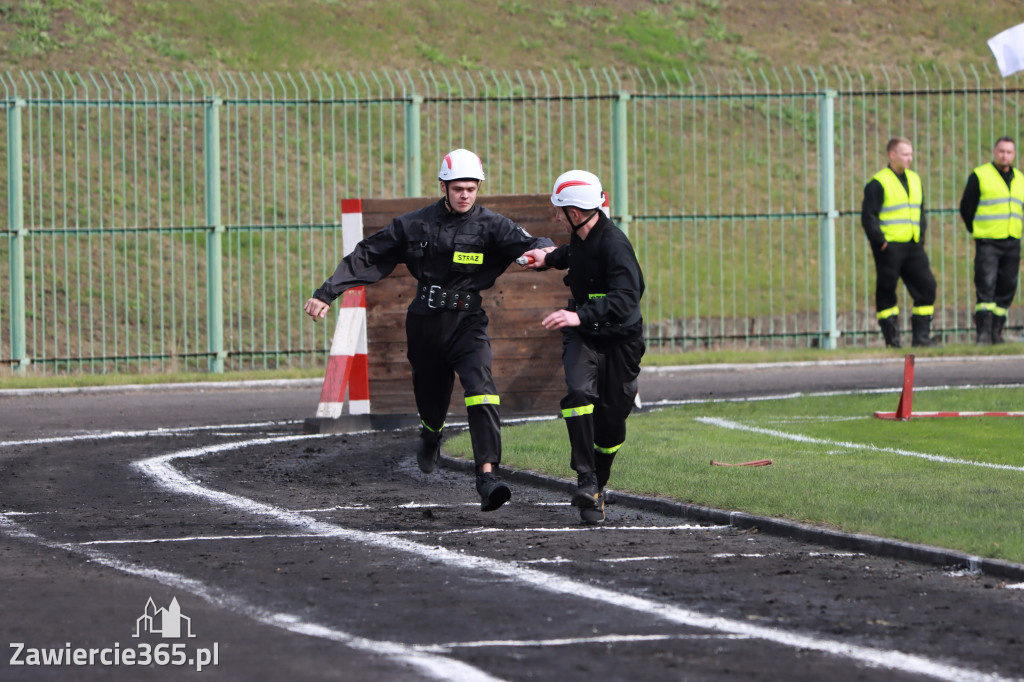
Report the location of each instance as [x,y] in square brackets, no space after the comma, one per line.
[333,557]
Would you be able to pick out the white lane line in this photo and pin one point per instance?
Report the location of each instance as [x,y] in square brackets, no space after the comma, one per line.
[729,555]
[736,426]
[112,435]
[162,471]
[560,529]
[194,538]
[337,507]
[434,666]
[604,639]
[638,558]
[838,555]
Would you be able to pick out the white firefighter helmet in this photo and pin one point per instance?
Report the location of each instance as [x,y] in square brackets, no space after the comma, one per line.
[461,164]
[577,188]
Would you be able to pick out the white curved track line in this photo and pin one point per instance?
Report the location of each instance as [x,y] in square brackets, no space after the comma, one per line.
[161,470]
[800,438]
[147,433]
[436,666]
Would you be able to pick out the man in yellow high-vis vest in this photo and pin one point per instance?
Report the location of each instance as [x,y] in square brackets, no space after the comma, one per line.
[992,207]
[893,219]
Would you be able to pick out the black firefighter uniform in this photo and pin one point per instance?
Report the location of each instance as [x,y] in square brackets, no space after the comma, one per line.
[453,257]
[602,355]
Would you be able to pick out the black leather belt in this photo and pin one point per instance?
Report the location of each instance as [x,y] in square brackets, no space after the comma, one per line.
[439,298]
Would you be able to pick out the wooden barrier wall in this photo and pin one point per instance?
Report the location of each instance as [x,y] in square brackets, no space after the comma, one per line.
[527,362]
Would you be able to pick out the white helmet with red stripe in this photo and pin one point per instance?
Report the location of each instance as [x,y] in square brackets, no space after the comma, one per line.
[461,164]
[577,188]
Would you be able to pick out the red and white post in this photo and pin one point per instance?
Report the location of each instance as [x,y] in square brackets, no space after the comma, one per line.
[348,364]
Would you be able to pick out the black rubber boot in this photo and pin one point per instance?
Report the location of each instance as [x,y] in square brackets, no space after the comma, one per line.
[595,513]
[493,493]
[921,325]
[890,331]
[428,452]
[998,324]
[587,491]
[983,323]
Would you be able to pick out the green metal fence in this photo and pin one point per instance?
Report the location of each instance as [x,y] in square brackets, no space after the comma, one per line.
[160,222]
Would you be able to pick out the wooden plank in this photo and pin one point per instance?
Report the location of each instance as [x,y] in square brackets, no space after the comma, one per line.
[527,362]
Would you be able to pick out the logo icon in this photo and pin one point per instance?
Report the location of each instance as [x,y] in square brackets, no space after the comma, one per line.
[169,623]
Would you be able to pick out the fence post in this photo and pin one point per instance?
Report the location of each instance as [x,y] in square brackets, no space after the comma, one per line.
[620,195]
[16,225]
[412,146]
[827,206]
[214,239]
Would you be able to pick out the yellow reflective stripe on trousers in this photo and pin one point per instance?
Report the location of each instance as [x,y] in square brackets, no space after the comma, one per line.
[577,411]
[923,310]
[889,312]
[482,400]
[985,308]
[427,427]
[608,451]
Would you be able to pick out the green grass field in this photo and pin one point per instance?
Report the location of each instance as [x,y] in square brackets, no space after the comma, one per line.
[953,483]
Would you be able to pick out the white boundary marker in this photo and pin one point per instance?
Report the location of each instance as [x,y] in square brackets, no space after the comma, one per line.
[161,470]
[736,426]
[437,667]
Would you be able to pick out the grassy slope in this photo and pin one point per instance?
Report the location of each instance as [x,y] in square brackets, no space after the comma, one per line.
[361,35]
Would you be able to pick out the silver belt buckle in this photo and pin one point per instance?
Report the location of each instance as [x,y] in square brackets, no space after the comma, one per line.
[430,297]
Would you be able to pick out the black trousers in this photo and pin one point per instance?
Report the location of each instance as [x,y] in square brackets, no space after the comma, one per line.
[996,269]
[600,375]
[909,262]
[441,345]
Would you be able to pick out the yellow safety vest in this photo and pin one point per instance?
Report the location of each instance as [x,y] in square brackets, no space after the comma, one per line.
[1000,208]
[900,217]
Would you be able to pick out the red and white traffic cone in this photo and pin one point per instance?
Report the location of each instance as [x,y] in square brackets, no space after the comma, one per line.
[348,363]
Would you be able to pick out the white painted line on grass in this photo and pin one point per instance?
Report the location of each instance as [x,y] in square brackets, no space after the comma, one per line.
[162,471]
[800,364]
[817,394]
[800,438]
[436,667]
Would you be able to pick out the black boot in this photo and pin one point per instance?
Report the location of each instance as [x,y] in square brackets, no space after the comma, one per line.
[493,493]
[922,324]
[983,323]
[428,453]
[890,331]
[998,323]
[587,491]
